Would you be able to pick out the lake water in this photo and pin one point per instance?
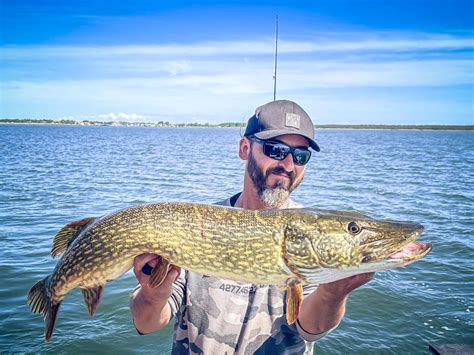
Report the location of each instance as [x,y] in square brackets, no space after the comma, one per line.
[51,175]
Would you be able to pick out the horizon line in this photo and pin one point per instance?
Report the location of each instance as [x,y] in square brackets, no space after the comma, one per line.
[228,124]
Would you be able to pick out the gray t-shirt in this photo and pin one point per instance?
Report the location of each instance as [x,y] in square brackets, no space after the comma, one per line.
[216,316]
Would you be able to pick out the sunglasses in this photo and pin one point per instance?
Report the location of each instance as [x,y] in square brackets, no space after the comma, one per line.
[279,151]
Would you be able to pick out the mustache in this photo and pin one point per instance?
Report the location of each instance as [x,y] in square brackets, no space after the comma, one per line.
[281,170]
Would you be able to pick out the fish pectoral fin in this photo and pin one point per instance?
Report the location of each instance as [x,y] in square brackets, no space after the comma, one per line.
[294,298]
[92,297]
[67,234]
[159,273]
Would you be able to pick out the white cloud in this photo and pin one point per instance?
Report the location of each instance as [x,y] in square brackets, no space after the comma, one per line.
[220,81]
[120,116]
[331,43]
[178,67]
[419,72]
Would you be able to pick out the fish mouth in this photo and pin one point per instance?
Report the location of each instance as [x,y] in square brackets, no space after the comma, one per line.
[411,252]
[408,254]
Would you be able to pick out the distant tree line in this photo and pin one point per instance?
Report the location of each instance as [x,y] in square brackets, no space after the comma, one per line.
[227,124]
[398,127]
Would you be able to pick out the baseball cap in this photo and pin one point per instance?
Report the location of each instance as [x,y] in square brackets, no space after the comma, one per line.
[280,117]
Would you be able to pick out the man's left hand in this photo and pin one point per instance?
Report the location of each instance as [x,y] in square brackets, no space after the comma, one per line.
[340,289]
[324,309]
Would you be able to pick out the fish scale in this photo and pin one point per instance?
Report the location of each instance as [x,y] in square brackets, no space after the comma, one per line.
[286,248]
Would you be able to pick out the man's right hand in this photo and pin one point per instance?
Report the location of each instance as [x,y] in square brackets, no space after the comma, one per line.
[150,309]
[162,291]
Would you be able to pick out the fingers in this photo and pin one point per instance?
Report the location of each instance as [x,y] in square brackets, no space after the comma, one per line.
[146,262]
[359,280]
[369,276]
[171,277]
[364,278]
[140,261]
[345,286]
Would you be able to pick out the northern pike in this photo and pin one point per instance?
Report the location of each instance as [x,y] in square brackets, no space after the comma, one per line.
[287,248]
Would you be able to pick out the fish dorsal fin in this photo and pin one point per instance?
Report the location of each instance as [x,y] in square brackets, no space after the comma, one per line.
[294,298]
[67,234]
[159,272]
[92,297]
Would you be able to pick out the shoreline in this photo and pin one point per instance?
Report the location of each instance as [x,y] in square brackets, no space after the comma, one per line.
[233,125]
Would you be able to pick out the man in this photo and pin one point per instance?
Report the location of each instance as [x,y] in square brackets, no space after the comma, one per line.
[215,316]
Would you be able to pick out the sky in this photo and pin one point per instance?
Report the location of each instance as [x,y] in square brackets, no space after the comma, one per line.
[344,62]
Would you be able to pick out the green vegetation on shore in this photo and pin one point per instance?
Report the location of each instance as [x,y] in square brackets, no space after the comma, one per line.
[228,124]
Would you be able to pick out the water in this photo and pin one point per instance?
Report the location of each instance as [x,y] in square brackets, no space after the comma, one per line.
[51,175]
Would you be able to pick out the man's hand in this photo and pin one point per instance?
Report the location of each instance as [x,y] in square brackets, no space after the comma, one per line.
[149,306]
[165,289]
[341,288]
[324,309]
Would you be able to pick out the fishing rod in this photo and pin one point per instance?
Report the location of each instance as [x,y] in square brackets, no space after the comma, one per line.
[276,59]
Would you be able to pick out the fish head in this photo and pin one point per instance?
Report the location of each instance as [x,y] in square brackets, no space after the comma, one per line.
[323,245]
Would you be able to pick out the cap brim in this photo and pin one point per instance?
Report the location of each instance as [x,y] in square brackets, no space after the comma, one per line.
[280,132]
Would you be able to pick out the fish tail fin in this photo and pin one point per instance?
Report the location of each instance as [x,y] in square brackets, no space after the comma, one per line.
[40,301]
[50,320]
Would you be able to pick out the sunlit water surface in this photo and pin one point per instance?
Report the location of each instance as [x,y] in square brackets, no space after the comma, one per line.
[51,175]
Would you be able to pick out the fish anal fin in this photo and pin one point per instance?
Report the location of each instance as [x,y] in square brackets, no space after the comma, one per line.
[40,302]
[92,297]
[159,272]
[294,298]
[67,234]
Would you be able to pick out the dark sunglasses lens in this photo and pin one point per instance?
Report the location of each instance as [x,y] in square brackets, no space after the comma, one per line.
[301,156]
[276,151]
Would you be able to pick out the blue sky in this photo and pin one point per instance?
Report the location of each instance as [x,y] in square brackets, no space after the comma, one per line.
[355,62]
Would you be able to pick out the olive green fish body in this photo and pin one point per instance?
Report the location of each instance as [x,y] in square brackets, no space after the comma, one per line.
[278,247]
[204,238]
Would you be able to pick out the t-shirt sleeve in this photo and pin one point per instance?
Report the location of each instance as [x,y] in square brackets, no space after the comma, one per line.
[309,336]
[177,295]
[307,289]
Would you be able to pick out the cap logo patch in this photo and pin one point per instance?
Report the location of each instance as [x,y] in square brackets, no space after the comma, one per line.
[292,120]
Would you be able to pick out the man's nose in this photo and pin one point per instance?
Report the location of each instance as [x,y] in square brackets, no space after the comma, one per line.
[288,163]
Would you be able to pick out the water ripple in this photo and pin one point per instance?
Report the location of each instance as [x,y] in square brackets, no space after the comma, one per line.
[52,175]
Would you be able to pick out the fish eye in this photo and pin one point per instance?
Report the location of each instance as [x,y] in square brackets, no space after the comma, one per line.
[353,228]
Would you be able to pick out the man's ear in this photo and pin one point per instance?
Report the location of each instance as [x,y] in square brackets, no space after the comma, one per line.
[244,148]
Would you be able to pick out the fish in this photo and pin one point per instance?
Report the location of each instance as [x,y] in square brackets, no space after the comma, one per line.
[287,248]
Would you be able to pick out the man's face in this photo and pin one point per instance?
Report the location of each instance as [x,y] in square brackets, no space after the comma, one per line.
[274,180]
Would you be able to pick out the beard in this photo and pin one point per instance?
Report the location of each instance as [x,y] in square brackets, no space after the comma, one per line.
[276,195]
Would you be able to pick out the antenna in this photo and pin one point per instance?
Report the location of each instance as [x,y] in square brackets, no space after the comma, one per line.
[276,57]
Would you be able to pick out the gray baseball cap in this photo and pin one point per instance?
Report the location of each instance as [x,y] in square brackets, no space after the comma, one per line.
[280,117]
